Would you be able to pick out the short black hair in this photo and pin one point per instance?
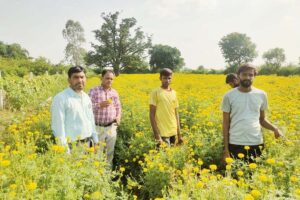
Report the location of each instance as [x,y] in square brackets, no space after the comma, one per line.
[104,71]
[230,77]
[75,69]
[166,72]
[245,67]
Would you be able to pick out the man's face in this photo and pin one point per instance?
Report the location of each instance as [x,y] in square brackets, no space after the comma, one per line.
[77,81]
[166,80]
[246,78]
[235,83]
[107,79]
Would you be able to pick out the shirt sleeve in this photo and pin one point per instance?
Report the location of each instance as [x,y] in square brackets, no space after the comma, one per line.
[92,95]
[57,119]
[176,101]
[92,120]
[226,104]
[153,98]
[118,105]
[264,105]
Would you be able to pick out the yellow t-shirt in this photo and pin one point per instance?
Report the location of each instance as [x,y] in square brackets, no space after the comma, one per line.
[165,116]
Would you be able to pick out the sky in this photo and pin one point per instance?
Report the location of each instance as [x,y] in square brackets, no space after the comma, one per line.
[195,27]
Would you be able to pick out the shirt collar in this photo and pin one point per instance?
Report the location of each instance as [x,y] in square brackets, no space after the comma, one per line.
[73,93]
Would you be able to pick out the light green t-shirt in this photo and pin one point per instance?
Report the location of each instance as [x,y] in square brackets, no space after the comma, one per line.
[244,109]
[166,102]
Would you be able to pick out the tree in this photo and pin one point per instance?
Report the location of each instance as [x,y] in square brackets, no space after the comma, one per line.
[274,57]
[237,48]
[164,56]
[121,45]
[13,51]
[74,34]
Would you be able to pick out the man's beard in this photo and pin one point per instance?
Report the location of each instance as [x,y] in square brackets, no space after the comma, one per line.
[245,83]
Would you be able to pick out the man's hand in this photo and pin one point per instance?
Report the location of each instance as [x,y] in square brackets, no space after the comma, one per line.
[277,133]
[104,104]
[118,121]
[226,154]
[180,139]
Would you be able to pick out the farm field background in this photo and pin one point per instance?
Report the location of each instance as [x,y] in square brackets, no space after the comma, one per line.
[32,167]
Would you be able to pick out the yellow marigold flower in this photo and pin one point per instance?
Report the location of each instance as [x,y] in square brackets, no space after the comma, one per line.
[263,178]
[248,197]
[96,195]
[228,167]
[241,155]
[297,191]
[5,163]
[58,148]
[240,173]
[205,171]
[145,170]
[31,186]
[126,161]
[246,148]
[196,169]
[271,161]
[228,160]
[293,179]
[252,166]
[200,162]
[122,169]
[90,149]
[255,193]
[200,184]
[134,197]
[96,163]
[213,167]
[87,196]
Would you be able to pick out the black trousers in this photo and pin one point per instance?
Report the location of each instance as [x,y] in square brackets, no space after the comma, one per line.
[249,155]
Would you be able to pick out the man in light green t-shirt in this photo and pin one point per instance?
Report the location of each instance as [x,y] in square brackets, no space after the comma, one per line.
[243,116]
[164,115]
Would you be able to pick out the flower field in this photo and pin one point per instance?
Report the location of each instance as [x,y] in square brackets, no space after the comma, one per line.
[33,167]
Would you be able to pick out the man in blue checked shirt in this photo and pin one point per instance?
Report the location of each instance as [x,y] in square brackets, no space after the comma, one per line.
[72,114]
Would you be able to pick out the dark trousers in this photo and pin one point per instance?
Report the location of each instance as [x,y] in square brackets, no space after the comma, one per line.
[88,141]
[249,155]
[170,141]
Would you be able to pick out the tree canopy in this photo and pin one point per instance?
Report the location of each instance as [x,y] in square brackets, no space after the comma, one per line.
[237,48]
[74,34]
[13,51]
[120,45]
[164,56]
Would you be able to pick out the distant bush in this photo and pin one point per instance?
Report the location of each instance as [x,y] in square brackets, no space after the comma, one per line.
[22,67]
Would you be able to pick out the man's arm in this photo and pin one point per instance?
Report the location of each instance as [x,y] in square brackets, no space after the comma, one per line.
[118,109]
[266,124]
[180,140]
[226,125]
[153,123]
[57,120]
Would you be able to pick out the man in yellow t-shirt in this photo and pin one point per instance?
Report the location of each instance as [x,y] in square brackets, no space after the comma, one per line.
[164,115]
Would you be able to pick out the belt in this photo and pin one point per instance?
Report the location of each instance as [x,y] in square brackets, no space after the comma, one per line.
[105,125]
